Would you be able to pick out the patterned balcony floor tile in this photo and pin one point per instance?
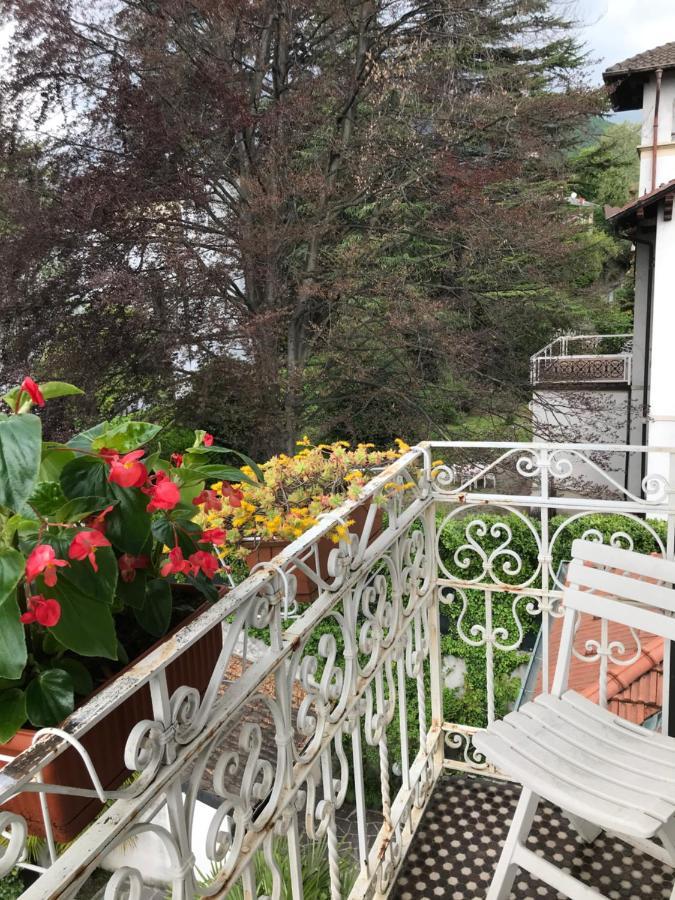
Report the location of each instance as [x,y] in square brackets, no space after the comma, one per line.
[464,827]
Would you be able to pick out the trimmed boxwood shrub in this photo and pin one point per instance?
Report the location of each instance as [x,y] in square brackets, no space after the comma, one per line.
[469,707]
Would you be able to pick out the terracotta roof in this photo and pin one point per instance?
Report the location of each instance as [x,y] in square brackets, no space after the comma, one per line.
[662,57]
[626,79]
[634,691]
[615,215]
[642,698]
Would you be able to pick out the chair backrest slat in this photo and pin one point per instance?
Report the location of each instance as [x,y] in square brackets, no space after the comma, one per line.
[635,616]
[618,584]
[628,560]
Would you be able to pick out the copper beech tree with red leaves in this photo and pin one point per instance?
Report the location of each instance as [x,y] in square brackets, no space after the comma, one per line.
[267,216]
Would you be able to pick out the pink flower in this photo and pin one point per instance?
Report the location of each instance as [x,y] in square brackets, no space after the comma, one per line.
[128,565]
[164,493]
[233,495]
[176,564]
[28,386]
[212,536]
[83,546]
[108,455]
[41,610]
[204,562]
[128,471]
[97,522]
[177,459]
[209,500]
[208,440]
[42,561]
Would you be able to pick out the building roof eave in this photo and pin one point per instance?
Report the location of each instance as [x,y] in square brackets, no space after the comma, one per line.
[637,209]
[626,79]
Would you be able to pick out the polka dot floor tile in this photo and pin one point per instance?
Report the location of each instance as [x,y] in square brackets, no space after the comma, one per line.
[464,827]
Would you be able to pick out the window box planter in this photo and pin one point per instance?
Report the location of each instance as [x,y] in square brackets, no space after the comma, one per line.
[105,743]
[307,591]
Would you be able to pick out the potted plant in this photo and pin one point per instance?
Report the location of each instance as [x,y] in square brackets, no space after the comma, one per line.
[262,515]
[94,534]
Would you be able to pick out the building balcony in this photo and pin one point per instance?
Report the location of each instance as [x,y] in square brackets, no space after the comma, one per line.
[332,753]
[596,360]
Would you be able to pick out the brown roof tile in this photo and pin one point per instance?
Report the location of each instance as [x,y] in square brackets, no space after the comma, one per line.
[662,57]
[633,691]
[615,215]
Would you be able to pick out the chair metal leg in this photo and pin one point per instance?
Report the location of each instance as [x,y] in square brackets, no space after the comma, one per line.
[505,872]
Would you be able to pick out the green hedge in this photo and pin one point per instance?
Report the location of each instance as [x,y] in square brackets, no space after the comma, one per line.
[12,886]
[470,708]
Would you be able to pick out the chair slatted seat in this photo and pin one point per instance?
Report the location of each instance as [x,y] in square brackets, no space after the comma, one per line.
[602,771]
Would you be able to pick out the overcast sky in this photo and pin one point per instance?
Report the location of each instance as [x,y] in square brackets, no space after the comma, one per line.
[612,29]
[617,29]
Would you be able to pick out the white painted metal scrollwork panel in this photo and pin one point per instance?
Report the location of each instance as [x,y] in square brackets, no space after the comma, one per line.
[285,746]
[501,547]
[332,734]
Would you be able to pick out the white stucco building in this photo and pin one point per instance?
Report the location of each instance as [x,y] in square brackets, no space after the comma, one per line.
[621,389]
[646,82]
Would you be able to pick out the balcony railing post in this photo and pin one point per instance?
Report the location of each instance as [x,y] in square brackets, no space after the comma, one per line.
[360,794]
[283,681]
[435,652]
[544,464]
[668,699]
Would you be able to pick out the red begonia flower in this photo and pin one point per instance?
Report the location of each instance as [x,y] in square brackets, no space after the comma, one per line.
[127,470]
[212,536]
[44,611]
[232,494]
[176,564]
[97,522]
[204,562]
[84,544]
[30,387]
[209,500]
[164,493]
[128,565]
[208,440]
[177,459]
[42,561]
[108,455]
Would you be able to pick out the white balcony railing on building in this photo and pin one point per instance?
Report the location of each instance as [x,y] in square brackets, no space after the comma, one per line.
[336,729]
[584,359]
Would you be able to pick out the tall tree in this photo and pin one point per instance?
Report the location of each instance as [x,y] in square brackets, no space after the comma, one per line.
[274,213]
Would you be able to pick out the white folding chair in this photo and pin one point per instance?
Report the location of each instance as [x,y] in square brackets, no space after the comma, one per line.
[605,773]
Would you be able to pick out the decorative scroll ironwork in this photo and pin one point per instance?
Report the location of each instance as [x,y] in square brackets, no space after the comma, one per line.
[288,735]
[584,359]
[582,370]
[351,684]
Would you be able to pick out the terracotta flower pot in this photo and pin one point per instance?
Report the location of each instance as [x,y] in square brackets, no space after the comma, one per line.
[307,591]
[105,743]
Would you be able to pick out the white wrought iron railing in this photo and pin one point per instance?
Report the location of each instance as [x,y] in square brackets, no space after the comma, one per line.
[334,732]
[584,359]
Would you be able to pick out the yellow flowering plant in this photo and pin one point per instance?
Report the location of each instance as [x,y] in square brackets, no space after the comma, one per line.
[293,493]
